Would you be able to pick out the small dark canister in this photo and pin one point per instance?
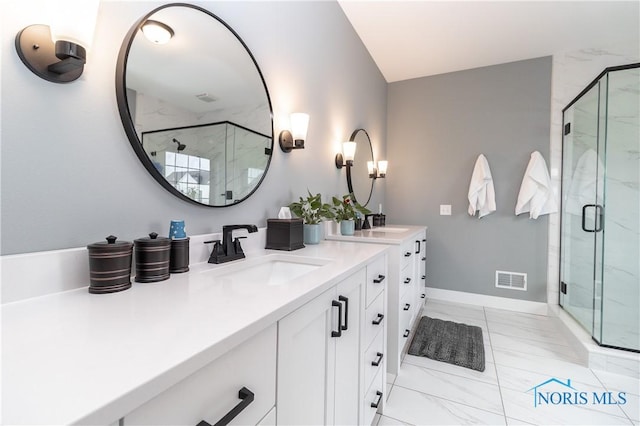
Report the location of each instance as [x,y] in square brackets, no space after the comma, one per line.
[179,261]
[152,258]
[110,265]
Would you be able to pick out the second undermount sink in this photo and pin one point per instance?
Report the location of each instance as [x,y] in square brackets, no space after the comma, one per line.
[273,269]
[390,229]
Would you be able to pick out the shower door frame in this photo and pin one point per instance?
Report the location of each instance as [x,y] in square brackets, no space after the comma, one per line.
[586,90]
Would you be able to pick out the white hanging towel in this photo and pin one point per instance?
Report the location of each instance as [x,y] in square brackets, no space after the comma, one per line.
[536,195]
[482,196]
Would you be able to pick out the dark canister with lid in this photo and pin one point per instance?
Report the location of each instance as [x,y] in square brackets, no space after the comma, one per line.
[110,265]
[152,258]
[179,261]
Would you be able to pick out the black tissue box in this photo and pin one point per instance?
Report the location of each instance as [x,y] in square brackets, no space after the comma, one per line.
[284,234]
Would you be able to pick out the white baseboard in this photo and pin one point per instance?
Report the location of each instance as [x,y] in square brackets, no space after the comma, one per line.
[518,305]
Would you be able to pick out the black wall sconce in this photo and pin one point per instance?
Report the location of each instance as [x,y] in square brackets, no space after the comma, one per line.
[294,139]
[58,53]
[377,169]
[345,158]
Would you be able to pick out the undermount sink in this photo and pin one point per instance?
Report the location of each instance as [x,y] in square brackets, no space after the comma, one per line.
[390,229]
[273,269]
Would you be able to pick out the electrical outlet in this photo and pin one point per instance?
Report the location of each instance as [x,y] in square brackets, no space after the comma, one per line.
[445,209]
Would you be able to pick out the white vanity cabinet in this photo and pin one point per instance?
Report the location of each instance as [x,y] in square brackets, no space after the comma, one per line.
[405,282]
[324,353]
[248,371]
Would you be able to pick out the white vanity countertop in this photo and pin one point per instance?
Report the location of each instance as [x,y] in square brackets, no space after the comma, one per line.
[75,357]
[389,234]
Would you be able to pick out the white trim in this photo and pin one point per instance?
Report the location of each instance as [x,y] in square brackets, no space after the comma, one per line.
[526,306]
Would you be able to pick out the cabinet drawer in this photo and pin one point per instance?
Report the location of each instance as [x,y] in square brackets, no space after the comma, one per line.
[407,253]
[374,320]
[376,278]
[407,280]
[373,398]
[374,355]
[212,392]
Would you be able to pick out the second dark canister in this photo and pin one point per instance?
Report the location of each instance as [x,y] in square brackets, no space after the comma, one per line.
[152,258]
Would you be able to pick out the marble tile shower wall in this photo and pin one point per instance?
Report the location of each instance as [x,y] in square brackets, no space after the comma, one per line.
[572,72]
[621,272]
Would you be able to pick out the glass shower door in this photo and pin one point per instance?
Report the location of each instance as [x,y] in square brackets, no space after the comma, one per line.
[581,212]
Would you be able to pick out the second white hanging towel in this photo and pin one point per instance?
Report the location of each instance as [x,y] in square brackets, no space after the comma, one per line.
[482,196]
[536,195]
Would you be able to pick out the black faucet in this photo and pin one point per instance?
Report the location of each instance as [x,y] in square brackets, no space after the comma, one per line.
[230,249]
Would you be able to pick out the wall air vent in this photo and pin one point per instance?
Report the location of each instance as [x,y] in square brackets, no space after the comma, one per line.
[511,280]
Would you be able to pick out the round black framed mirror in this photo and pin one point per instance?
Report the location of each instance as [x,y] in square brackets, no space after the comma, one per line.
[358,181]
[195,107]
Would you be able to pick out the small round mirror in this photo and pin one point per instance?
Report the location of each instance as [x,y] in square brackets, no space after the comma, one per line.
[358,180]
[194,105]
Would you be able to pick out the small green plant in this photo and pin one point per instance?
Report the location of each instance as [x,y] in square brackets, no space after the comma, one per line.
[347,208]
[311,209]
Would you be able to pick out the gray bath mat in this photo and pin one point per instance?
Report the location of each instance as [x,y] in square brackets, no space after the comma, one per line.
[450,342]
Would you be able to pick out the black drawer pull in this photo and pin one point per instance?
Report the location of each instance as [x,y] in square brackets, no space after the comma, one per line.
[419,247]
[375,404]
[407,280]
[422,296]
[424,258]
[338,333]
[424,240]
[379,279]
[377,361]
[424,277]
[247,398]
[407,306]
[406,333]
[407,254]
[346,312]
[378,320]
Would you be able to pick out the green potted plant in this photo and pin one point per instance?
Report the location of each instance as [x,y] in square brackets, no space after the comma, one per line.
[345,212]
[312,211]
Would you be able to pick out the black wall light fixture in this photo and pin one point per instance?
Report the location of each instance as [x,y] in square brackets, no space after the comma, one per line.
[345,158]
[294,138]
[58,53]
[377,169]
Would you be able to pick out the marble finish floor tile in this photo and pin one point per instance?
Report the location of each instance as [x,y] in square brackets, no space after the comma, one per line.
[466,391]
[535,334]
[388,421]
[521,319]
[544,349]
[417,408]
[487,376]
[459,310]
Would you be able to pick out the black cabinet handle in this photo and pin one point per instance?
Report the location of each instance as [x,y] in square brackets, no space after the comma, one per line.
[424,240]
[346,312]
[424,258]
[407,254]
[379,279]
[406,333]
[378,320]
[407,306]
[338,333]
[422,296]
[407,280]
[424,277]
[375,404]
[377,362]
[419,247]
[247,398]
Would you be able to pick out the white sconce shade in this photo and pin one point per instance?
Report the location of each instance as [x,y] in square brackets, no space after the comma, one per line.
[294,139]
[157,32]
[349,152]
[382,168]
[299,127]
[371,168]
[74,21]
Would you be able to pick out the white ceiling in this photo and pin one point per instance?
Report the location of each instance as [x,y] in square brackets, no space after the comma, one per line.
[409,39]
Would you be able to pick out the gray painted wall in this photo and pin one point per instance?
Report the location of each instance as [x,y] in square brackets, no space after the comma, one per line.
[70,177]
[437,127]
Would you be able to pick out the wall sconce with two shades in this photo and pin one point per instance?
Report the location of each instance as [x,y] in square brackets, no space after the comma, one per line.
[346,157]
